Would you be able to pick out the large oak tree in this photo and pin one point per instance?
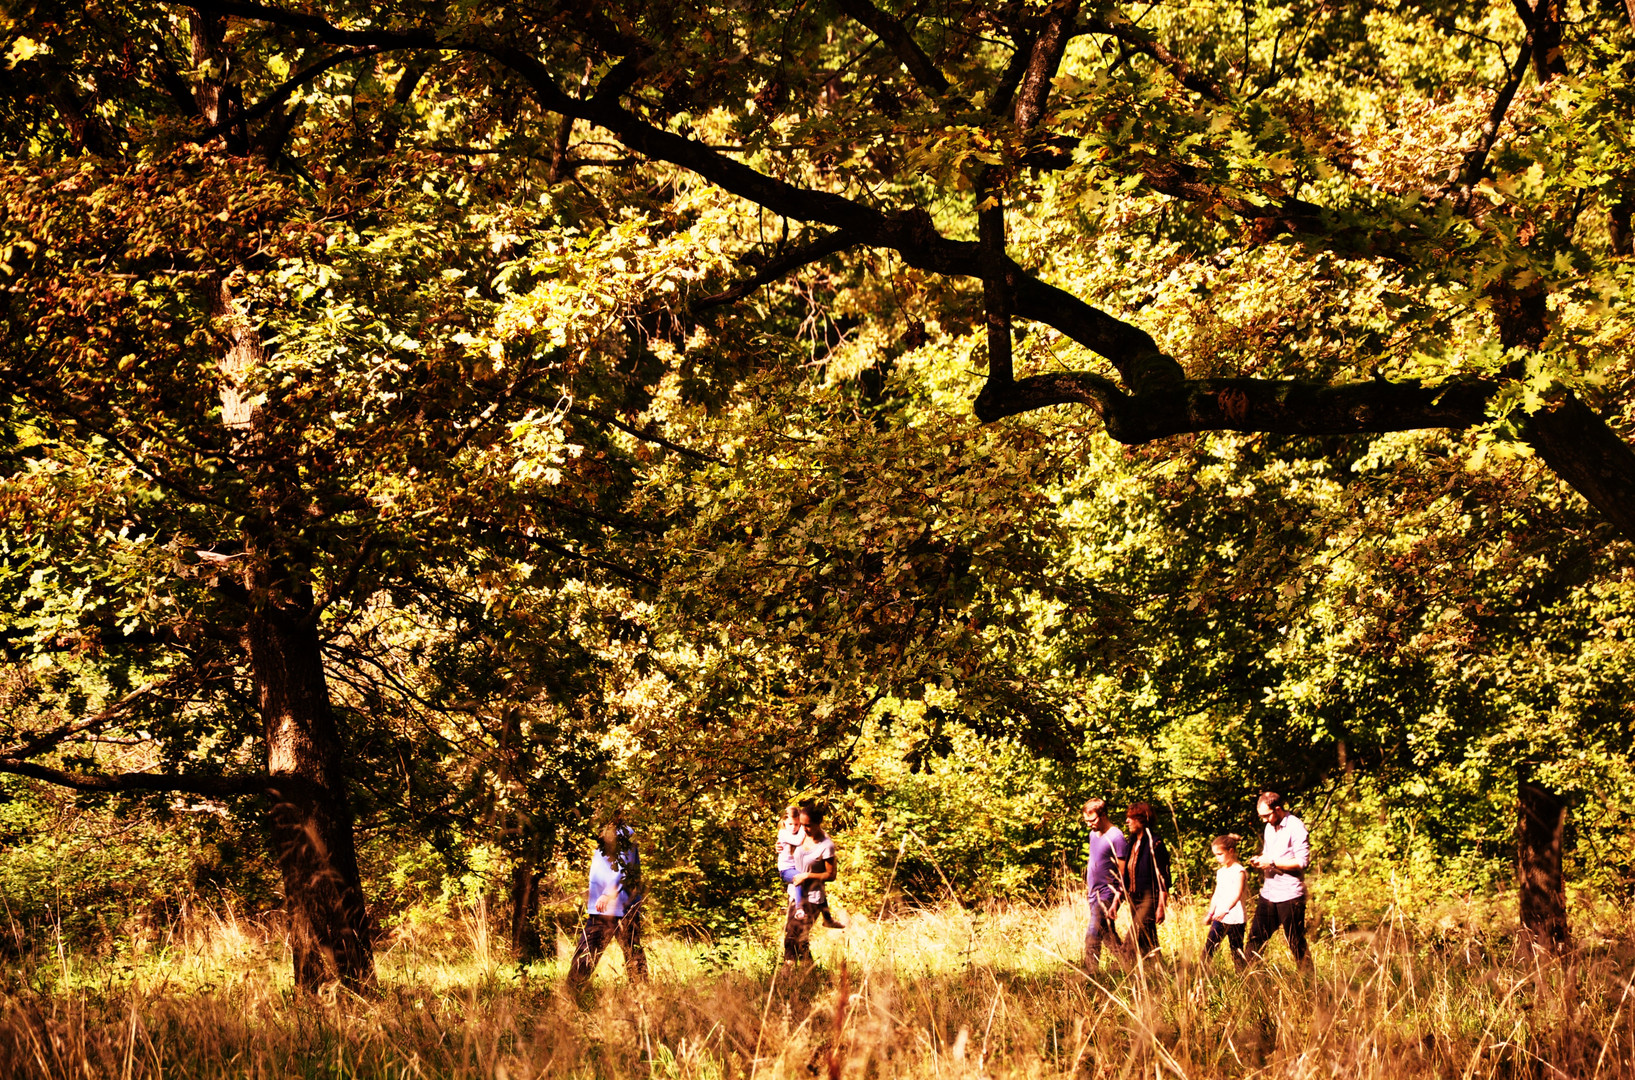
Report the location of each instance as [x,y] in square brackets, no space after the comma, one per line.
[328,348]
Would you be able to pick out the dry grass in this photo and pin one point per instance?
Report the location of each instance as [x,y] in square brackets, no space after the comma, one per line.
[943,993]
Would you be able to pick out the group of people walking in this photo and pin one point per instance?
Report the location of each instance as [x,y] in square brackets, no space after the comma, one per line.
[615,901]
[1129,866]
[1132,867]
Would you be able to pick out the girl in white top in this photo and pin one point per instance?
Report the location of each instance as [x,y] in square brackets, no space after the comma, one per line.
[1225,917]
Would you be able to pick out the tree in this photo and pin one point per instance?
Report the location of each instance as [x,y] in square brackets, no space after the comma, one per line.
[366,521]
[825,106]
[838,119]
[245,416]
[1459,235]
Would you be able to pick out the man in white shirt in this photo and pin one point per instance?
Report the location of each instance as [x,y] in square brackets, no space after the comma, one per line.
[1285,853]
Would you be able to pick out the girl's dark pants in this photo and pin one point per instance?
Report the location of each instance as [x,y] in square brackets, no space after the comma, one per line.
[1232,933]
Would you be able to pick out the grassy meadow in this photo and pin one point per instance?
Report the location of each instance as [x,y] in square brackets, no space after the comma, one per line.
[944,992]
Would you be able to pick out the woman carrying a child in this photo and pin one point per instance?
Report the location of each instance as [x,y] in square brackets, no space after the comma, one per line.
[813,863]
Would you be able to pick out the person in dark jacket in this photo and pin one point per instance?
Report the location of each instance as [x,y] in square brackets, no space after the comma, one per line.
[1146,878]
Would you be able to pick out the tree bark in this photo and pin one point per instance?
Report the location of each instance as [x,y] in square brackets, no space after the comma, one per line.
[1540,830]
[526,945]
[311,816]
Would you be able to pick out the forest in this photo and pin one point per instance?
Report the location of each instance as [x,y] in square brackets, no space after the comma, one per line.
[430,430]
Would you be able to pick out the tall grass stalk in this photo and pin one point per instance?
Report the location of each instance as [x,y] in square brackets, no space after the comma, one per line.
[949,993]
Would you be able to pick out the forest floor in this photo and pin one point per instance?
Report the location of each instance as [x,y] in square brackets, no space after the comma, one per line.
[945,993]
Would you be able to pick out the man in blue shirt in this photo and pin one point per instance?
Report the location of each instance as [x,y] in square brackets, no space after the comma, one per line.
[613,905]
[1103,879]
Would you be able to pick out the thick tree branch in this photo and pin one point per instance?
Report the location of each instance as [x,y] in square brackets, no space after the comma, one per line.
[1573,440]
[911,232]
[210,786]
[40,742]
[1004,91]
[648,435]
[1543,22]
[1583,450]
[999,273]
[318,26]
[1143,42]
[1476,160]
[896,37]
[1157,399]
[998,279]
[281,93]
[1043,63]
[1284,406]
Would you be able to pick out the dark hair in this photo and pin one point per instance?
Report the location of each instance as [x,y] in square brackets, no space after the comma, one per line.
[1226,842]
[813,811]
[608,838]
[1270,799]
[1141,812]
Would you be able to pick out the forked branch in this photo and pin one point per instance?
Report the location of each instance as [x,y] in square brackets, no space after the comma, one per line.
[895,36]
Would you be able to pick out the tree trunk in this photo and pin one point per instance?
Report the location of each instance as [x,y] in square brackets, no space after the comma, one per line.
[311,817]
[526,945]
[1541,827]
[1579,446]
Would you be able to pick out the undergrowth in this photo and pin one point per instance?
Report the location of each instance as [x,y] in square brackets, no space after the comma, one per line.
[947,993]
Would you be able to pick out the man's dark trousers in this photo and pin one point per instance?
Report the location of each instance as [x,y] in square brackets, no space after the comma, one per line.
[1287,915]
[601,930]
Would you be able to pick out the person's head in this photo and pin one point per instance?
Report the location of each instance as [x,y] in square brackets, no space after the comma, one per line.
[608,838]
[1225,848]
[1270,808]
[1138,818]
[809,815]
[791,815]
[1095,815]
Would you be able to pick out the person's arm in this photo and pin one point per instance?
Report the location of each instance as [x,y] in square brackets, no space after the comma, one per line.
[1298,855]
[1121,860]
[826,874]
[1232,896]
[610,894]
[1263,860]
[1160,865]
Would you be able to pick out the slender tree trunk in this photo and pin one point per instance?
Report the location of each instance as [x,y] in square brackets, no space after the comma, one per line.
[1540,830]
[1622,212]
[311,817]
[526,945]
